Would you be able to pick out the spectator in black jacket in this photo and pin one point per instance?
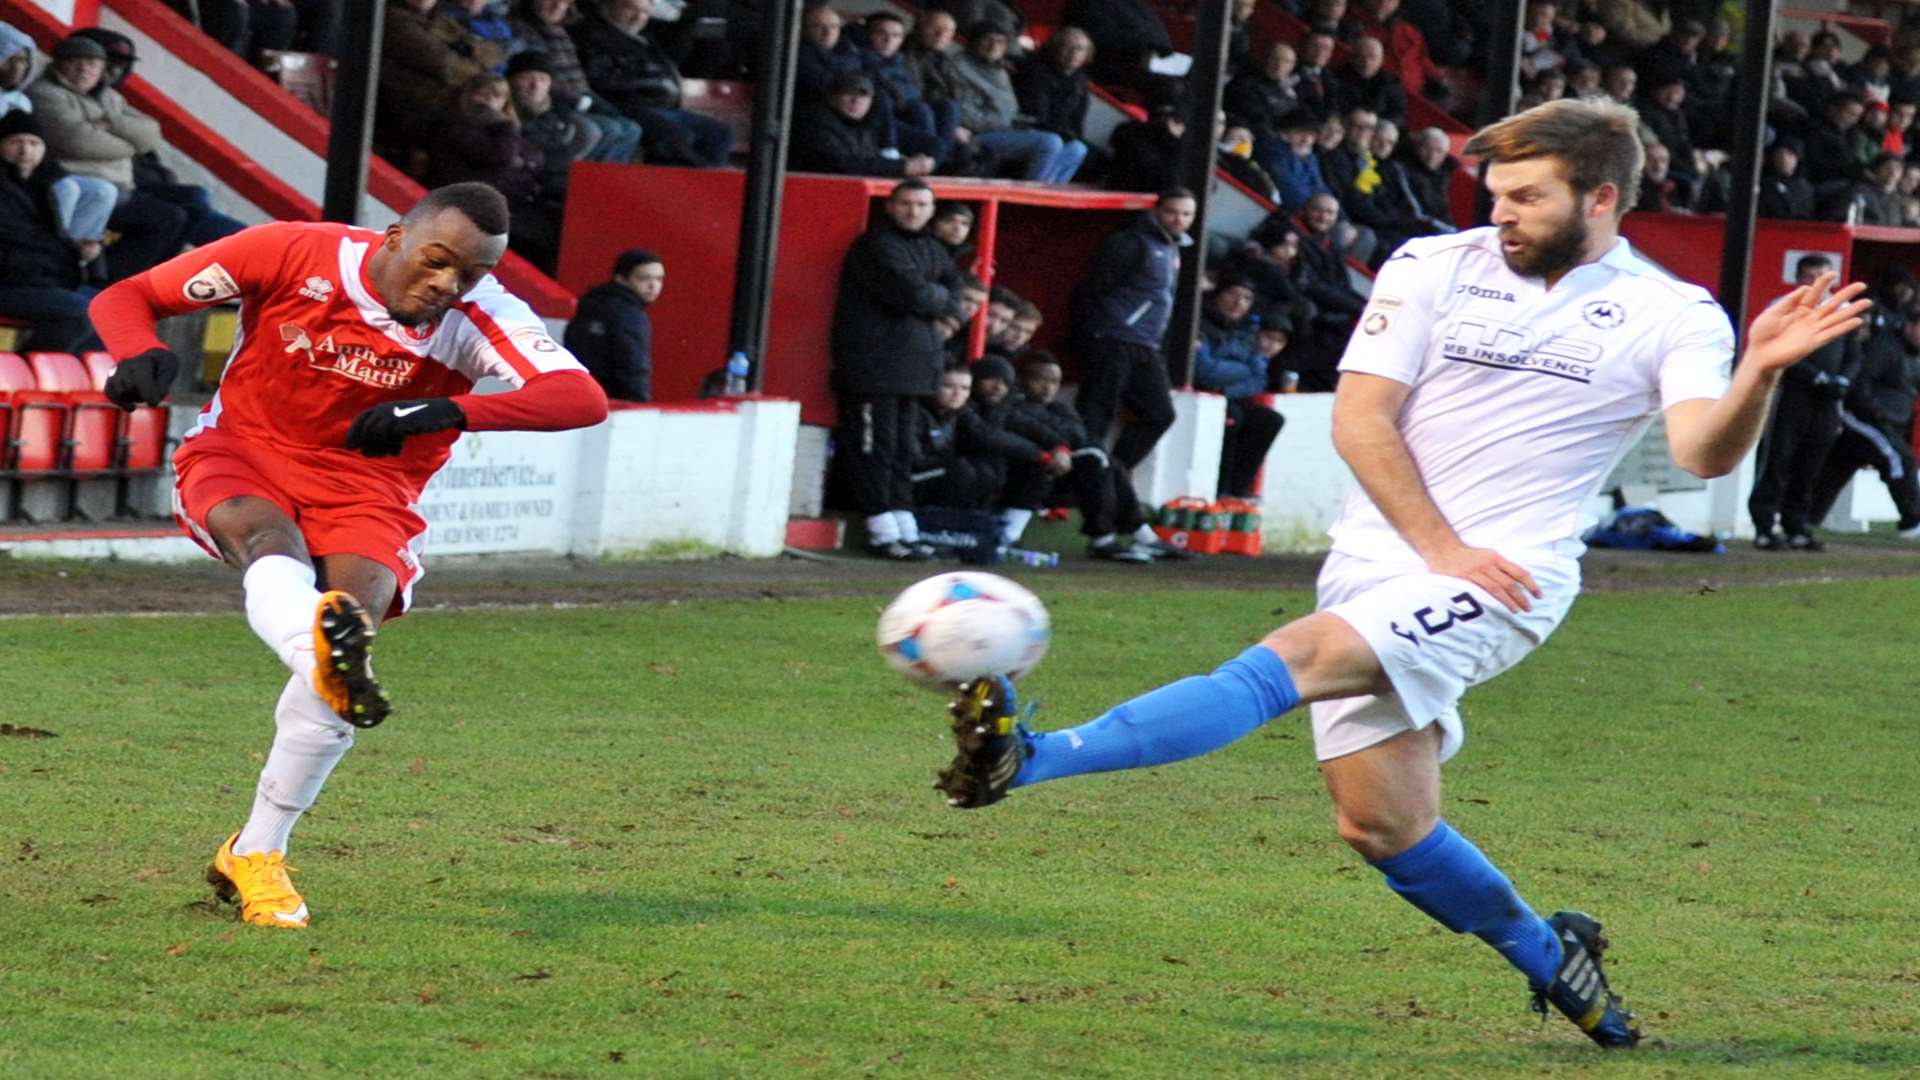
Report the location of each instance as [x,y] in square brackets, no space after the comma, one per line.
[1146,153]
[1127,34]
[1365,83]
[1261,97]
[632,72]
[1784,193]
[1878,196]
[611,332]
[562,135]
[1800,433]
[952,225]
[479,138]
[1429,165]
[1313,81]
[41,277]
[1240,37]
[1395,211]
[825,55]
[1122,306]
[1320,273]
[1051,84]
[961,463]
[1235,158]
[1877,426]
[1110,515]
[895,282]
[838,133]
[1830,163]
[1664,112]
[920,124]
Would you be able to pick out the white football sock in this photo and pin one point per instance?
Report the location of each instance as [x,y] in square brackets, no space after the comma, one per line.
[909,526]
[308,741]
[281,601]
[1013,522]
[882,529]
[1145,535]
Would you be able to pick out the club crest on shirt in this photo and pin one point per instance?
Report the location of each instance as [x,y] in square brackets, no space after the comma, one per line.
[211,285]
[534,339]
[1379,315]
[1604,314]
[317,288]
[356,362]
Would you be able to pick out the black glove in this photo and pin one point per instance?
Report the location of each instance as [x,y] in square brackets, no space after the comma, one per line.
[142,380]
[383,429]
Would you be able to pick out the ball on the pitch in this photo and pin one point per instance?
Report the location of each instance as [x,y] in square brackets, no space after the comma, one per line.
[955,627]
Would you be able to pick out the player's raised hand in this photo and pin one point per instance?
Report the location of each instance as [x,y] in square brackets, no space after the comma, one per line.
[1506,580]
[382,431]
[142,379]
[1802,321]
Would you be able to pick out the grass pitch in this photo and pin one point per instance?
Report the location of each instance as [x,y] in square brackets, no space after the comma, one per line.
[698,839]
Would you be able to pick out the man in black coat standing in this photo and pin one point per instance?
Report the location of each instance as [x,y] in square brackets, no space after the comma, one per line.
[42,278]
[1800,433]
[1122,306]
[887,356]
[611,332]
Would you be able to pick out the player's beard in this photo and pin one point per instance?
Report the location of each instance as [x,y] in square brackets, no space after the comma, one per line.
[1553,254]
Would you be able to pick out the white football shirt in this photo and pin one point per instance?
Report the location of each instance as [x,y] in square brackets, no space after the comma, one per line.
[1524,398]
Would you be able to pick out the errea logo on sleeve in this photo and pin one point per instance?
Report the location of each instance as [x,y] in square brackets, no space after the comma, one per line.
[316,288]
[211,285]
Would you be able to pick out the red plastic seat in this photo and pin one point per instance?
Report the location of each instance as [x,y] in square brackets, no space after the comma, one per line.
[39,432]
[99,366]
[142,435]
[91,435]
[144,440]
[15,374]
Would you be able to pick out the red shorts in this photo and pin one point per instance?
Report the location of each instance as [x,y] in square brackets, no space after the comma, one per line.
[341,505]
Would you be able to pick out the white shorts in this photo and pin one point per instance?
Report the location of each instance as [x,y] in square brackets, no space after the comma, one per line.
[1435,636]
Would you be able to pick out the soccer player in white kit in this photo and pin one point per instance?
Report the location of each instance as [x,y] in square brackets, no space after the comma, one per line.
[1495,378]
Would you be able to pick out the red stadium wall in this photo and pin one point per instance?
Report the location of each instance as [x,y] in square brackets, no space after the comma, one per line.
[1034,239]
[1689,246]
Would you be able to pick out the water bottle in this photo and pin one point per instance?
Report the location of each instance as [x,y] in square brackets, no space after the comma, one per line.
[1027,557]
[738,368]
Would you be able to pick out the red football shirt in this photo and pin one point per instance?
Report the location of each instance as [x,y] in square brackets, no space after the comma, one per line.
[315,346]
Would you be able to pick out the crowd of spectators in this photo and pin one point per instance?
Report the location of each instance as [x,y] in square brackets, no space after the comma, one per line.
[78,166]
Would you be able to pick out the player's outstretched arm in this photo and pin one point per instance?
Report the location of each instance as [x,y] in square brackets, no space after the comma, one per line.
[1710,437]
[550,401]
[1366,432]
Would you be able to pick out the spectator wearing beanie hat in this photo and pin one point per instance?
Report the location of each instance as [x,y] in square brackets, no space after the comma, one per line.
[837,132]
[1228,360]
[563,136]
[42,277]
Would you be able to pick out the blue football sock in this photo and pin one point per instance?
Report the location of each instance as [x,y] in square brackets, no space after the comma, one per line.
[1449,879]
[1180,720]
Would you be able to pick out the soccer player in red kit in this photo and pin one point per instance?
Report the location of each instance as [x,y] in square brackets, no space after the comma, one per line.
[348,383]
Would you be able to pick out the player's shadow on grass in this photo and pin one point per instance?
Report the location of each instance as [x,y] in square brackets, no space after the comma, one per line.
[558,916]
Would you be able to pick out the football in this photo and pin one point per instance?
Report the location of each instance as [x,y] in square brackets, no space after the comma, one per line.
[956,627]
